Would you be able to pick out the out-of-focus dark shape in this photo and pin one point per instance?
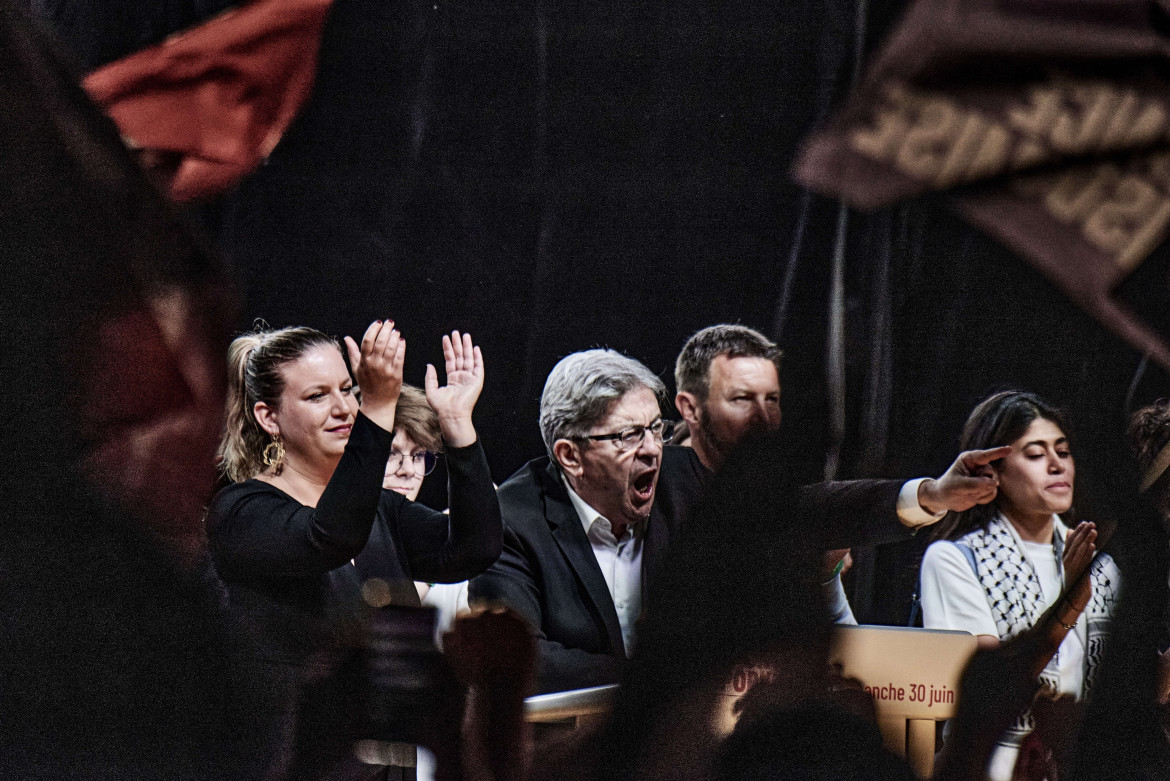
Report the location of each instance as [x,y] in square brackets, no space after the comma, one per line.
[824,742]
[1056,114]
[466,705]
[493,654]
[116,313]
[98,33]
[409,693]
[1121,735]
[118,660]
[1149,439]
[206,106]
[738,586]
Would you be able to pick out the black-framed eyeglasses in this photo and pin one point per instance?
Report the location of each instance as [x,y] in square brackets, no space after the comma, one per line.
[633,436]
[423,460]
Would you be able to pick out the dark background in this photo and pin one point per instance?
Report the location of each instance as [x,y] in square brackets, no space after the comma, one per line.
[553,176]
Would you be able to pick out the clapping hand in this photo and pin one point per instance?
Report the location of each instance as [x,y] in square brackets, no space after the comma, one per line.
[454,402]
[377,368]
[1080,546]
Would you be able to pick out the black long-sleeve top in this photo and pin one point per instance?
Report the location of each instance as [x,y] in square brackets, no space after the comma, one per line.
[290,569]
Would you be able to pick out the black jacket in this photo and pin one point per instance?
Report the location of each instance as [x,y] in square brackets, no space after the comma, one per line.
[547,571]
[287,566]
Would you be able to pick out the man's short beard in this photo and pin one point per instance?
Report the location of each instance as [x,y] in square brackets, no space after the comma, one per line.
[720,446]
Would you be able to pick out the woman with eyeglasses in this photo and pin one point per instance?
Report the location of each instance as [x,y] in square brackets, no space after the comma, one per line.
[418,440]
[308,464]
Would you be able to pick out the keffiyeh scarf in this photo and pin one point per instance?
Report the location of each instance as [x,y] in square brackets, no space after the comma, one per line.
[1016,600]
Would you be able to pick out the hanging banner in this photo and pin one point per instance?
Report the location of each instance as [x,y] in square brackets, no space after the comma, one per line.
[1048,123]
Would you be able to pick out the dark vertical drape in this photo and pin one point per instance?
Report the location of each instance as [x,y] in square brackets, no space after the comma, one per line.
[553,176]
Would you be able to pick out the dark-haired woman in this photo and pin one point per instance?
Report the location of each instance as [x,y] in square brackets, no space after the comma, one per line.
[1000,569]
[308,464]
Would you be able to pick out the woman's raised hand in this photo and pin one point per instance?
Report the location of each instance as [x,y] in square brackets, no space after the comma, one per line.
[454,402]
[377,367]
[1079,549]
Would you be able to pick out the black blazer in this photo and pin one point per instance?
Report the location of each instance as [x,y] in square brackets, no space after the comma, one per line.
[287,566]
[548,574]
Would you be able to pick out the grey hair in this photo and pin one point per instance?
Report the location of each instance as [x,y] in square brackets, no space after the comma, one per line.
[692,370]
[583,386]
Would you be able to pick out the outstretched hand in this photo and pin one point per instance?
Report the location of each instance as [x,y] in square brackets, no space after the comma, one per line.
[968,482]
[454,402]
[377,368]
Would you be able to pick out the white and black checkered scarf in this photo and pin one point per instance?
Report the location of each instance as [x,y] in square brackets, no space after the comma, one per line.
[1016,600]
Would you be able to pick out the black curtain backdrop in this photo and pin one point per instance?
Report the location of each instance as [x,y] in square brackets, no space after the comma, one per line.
[553,176]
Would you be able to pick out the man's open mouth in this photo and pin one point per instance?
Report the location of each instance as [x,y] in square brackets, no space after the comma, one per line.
[644,485]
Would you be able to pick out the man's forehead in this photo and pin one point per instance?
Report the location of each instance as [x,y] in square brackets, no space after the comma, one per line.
[747,370]
[638,406]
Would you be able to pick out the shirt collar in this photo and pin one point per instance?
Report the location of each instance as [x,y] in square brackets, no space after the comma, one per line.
[585,512]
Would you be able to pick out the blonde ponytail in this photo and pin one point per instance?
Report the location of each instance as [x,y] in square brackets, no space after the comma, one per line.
[254,362]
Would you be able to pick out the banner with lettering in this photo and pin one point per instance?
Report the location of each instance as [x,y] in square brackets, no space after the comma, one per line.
[909,673]
[1049,125]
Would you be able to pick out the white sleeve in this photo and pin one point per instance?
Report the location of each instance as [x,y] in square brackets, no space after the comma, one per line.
[910,512]
[952,597]
[836,602]
[450,600]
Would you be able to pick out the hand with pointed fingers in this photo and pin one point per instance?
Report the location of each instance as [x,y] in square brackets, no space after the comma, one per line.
[969,481]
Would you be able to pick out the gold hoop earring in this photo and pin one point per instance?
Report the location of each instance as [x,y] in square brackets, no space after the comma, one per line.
[274,454]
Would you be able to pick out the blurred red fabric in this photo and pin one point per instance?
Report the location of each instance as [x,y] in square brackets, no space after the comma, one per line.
[207,105]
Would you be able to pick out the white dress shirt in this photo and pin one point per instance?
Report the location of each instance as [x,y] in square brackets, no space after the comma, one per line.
[620,562]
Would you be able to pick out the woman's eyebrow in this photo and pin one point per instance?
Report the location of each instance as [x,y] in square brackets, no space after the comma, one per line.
[1042,443]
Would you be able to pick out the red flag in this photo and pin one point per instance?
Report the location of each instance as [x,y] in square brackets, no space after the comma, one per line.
[207,105]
